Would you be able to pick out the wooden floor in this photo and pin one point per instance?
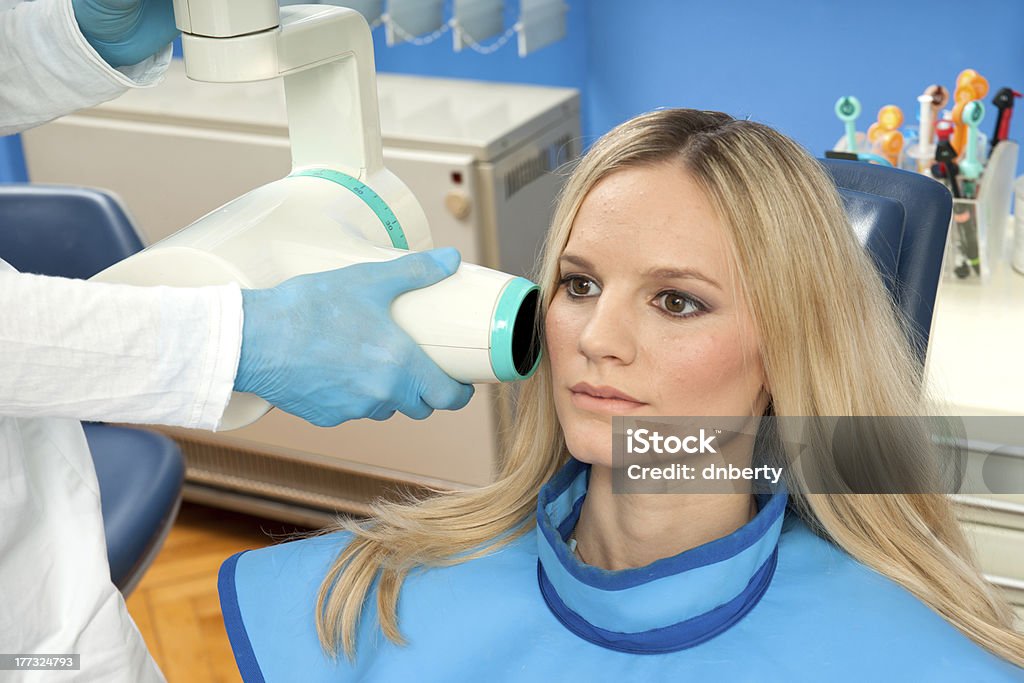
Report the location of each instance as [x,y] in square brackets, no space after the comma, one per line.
[175,605]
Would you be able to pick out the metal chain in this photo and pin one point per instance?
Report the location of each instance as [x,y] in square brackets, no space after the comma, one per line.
[493,47]
[419,41]
[416,40]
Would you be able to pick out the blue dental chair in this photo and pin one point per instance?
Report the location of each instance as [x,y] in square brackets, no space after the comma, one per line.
[77,232]
[902,219]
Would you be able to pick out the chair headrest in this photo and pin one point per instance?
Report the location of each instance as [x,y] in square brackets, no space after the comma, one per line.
[878,223]
[918,247]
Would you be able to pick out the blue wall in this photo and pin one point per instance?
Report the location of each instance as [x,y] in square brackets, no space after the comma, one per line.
[783,62]
[786,62]
[12,165]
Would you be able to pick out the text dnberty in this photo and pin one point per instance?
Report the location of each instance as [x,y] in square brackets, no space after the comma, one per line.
[656,443]
[708,473]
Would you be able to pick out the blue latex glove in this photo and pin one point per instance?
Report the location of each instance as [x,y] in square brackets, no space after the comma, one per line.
[125,32]
[324,347]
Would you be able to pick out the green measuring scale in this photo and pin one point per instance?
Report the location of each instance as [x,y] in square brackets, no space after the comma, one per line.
[370,198]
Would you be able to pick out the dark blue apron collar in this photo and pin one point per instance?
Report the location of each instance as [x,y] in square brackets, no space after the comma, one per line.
[669,605]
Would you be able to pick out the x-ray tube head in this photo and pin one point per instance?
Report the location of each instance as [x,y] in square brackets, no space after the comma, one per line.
[479,325]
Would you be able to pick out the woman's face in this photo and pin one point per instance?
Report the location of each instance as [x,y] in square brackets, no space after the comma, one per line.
[647,319]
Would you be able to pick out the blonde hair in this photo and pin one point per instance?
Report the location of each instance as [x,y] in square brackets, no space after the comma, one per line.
[833,343]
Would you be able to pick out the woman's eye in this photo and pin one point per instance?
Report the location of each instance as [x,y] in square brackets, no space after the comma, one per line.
[579,286]
[679,304]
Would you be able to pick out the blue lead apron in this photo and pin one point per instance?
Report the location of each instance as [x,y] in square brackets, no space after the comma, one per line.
[768,602]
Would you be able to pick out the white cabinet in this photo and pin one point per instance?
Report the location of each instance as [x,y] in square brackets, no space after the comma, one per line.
[976,365]
[995,527]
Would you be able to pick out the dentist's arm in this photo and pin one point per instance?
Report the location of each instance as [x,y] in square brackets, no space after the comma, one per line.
[58,56]
[320,346]
[126,32]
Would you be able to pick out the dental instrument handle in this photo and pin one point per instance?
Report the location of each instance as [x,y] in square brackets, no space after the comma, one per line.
[848,109]
[945,157]
[931,101]
[973,114]
[924,138]
[1003,101]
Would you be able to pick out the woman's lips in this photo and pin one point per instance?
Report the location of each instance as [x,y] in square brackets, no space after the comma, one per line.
[602,399]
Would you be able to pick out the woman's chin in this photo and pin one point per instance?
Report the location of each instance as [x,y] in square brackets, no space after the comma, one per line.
[589,438]
[592,456]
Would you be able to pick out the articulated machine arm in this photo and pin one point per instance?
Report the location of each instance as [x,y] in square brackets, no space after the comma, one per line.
[323,53]
[339,205]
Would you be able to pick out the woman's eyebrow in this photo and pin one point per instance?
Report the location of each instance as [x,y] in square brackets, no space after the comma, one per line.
[577,261]
[651,273]
[680,273]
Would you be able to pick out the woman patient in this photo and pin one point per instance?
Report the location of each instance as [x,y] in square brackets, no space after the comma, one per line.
[696,265]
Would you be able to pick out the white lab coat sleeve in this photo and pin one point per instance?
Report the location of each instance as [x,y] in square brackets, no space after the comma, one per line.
[48,69]
[120,353]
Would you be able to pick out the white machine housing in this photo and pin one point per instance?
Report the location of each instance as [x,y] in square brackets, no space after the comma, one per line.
[225,18]
[477,325]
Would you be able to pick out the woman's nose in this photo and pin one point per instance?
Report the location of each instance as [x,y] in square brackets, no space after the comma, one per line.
[609,332]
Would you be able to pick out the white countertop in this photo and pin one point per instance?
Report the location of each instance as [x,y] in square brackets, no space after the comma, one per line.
[975,358]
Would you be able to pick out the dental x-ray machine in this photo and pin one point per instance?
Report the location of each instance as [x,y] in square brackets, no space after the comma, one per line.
[339,205]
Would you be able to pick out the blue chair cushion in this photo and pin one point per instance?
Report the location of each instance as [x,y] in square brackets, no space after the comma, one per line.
[927,206]
[65,231]
[867,213]
[140,475]
[76,232]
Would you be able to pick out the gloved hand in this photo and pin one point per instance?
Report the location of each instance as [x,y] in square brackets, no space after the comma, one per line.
[324,347]
[126,32]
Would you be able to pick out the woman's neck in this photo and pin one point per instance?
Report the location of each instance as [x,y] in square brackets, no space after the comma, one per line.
[623,531]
